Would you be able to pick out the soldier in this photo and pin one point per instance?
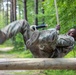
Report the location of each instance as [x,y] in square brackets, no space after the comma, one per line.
[42,44]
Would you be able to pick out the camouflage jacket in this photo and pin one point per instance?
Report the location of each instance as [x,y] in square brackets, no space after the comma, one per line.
[50,44]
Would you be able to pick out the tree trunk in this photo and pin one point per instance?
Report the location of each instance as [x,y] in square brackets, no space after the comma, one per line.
[36,11]
[13,11]
[7,13]
[43,12]
[13,16]
[25,9]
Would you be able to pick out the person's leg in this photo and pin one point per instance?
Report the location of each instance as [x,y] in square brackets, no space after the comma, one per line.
[13,28]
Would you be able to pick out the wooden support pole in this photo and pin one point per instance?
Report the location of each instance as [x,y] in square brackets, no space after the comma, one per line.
[38,63]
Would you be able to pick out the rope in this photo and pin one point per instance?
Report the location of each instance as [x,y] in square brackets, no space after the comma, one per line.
[57,16]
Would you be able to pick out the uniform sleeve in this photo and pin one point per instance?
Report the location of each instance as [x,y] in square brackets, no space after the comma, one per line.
[65,40]
[65,44]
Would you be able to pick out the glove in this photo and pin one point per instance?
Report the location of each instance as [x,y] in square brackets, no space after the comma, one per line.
[58,27]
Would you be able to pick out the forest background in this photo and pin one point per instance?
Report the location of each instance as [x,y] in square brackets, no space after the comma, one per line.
[38,12]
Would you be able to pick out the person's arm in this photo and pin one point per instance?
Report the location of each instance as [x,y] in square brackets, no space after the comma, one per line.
[65,40]
[65,44]
[57,28]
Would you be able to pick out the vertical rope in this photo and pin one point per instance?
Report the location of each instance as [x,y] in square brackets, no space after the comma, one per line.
[57,16]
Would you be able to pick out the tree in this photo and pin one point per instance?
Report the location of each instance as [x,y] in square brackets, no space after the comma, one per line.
[13,16]
[43,12]
[7,12]
[25,9]
[36,11]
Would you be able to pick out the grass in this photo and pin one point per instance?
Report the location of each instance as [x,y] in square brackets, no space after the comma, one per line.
[60,72]
[21,53]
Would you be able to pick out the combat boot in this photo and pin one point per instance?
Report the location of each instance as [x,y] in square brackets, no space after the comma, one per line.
[2,37]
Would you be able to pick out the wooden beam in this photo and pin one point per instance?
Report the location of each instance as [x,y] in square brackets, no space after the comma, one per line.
[38,63]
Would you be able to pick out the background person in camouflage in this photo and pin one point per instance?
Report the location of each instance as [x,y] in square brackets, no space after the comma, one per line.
[42,44]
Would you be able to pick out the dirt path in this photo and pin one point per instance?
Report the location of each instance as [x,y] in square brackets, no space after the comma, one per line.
[6,49]
[16,72]
[21,72]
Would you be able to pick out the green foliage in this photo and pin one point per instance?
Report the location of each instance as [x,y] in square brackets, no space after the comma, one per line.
[2,21]
[60,72]
[19,42]
[67,17]
[67,14]
[20,53]
[30,12]
[25,54]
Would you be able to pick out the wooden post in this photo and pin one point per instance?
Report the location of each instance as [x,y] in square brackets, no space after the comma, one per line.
[38,63]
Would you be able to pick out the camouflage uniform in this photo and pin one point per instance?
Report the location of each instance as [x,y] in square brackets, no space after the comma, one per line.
[15,27]
[42,44]
[65,44]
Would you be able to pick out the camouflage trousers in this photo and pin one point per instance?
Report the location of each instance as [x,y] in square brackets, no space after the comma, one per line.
[20,26]
[42,44]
